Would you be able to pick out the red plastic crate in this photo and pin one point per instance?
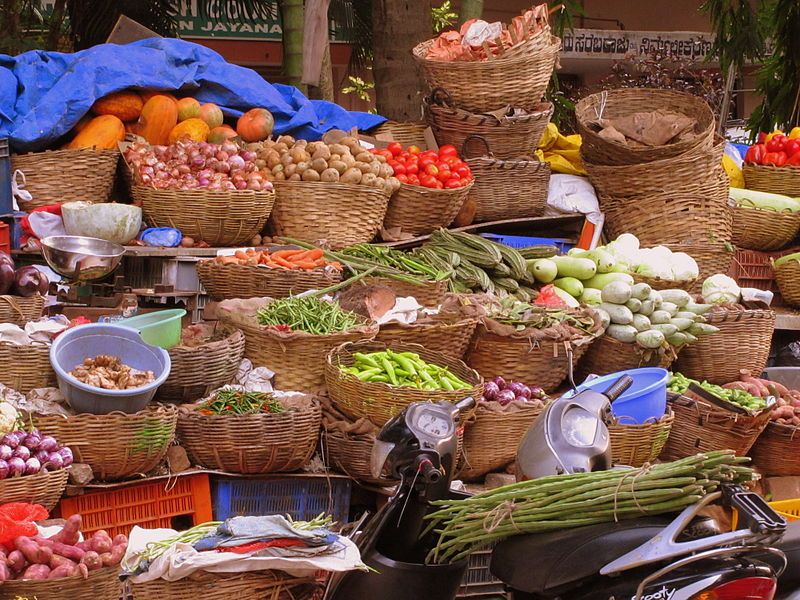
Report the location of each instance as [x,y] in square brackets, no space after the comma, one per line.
[752,269]
[169,503]
[5,238]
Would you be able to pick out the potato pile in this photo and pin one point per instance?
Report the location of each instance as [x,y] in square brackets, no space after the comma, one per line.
[346,161]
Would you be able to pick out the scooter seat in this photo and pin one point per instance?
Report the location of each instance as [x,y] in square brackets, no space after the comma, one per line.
[543,562]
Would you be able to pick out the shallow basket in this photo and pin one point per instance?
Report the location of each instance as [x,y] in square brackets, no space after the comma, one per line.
[103,584]
[225,282]
[760,229]
[351,454]
[59,176]
[251,444]
[517,78]
[257,585]
[198,370]
[544,364]
[607,355]
[339,214]
[19,310]
[742,342]
[45,488]
[769,178]
[428,293]
[379,402]
[115,445]
[634,445]
[26,367]
[217,217]
[787,276]
[419,210]
[701,427]
[448,336]
[408,134]
[776,452]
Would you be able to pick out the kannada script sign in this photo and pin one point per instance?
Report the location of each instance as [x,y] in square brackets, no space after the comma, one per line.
[614,44]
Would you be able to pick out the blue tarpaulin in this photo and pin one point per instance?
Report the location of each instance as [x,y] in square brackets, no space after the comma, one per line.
[44,94]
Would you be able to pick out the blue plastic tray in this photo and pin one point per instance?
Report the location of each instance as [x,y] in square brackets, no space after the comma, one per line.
[519,241]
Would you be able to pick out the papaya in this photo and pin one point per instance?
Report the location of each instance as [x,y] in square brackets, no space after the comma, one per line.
[101,133]
[125,105]
[159,117]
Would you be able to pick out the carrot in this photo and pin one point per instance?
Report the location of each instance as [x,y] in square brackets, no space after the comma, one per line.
[241,255]
[279,260]
[286,253]
[306,264]
[314,254]
[336,265]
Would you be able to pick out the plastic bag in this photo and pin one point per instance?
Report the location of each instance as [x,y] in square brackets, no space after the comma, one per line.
[788,356]
[481,31]
[17,519]
[167,237]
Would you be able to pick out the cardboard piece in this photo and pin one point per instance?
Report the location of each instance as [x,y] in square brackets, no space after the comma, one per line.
[781,488]
[127,30]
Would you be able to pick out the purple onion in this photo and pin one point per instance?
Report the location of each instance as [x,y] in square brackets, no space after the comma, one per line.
[500,382]
[490,390]
[66,454]
[54,461]
[505,397]
[22,452]
[16,466]
[12,439]
[6,452]
[42,455]
[32,440]
[32,466]
[48,444]
[516,387]
[3,469]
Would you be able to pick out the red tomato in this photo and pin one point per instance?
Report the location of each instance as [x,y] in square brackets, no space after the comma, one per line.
[399,169]
[385,153]
[431,169]
[452,183]
[414,149]
[794,159]
[428,181]
[424,162]
[444,175]
[463,172]
[448,150]
[451,161]
[402,177]
[429,154]
[413,179]
[395,148]
[412,169]
[438,185]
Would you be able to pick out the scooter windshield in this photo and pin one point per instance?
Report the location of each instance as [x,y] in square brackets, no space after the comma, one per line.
[579,426]
[380,452]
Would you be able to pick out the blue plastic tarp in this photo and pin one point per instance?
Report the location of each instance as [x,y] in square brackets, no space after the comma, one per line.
[44,94]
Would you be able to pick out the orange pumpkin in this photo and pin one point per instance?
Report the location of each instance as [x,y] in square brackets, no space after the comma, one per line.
[82,123]
[101,133]
[147,94]
[211,114]
[255,125]
[126,106]
[188,108]
[219,135]
[159,116]
[194,129]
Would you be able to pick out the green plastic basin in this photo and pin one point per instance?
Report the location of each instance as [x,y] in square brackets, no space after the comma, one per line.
[161,328]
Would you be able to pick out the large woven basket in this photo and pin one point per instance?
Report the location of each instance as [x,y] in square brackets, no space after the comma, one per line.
[610,104]
[254,585]
[217,217]
[251,444]
[711,255]
[224,282]
[776,452]
[769,178]
[198,370]
[419,210]
[351,454]
[26,367]
[298,362]
[664,284]
[379,402]
[700,427]
[103,584]
[544,364]
[19,310]
[742,342]
[58,176]
[760,229]
[607,355]
[787,275]
[339,214]
[408,134]
[507,189]
[44,488]
[448,336]
[509,136]
[634,445]
[518,78]
[491,438]
[428,293]
[115,445]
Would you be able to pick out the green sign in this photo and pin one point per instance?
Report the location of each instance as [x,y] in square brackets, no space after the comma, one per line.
[190,25]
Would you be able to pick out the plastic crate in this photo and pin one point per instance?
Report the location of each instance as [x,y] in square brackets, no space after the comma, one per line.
[169,503]
[752,269]
[478,581]
[302,498]
[519,241]
[788,509]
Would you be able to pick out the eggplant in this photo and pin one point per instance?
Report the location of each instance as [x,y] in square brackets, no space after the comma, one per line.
[55,461]
[5,258]
[42,455]
[28,281]
[501,383]
[6,277]
[32,466]
[3,469]
[490,390]
[23,452]
[12,439]
[505,397]
[6,452]
[48,443]
[32,440]
[517,388]
[66,454]
[16,466]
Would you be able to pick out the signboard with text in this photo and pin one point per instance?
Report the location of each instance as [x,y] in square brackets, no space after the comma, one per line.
[191,25]
[690,46]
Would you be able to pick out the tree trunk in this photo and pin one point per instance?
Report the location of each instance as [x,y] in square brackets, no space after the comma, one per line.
[325,89]
[293,23]
[398,26]
[56,24]
[470,9]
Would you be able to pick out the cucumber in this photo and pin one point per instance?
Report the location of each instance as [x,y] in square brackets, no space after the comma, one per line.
[682,324]
[647,308]
[680,298]
[569,300]
[660,317]
[671,308]
[698,309]
[542,251]
[641,323]
[572,286]
[641,291]
[603,279]
[622,333]
[616,292]
[650,339]
[604,260]
[543,270]
[668,329]
[603,316]
[591,297]
[579,268]
[677,339]
[634,304]
[620,315]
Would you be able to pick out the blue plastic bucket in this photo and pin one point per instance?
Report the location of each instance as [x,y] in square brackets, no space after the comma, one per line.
[645,399]
[75,345]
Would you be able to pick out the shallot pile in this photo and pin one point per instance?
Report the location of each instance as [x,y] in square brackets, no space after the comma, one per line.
[187,165]
[504,393]
[23,453]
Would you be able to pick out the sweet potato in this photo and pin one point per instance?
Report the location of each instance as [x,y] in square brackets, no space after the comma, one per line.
[36,572]
[92,560]
[5,572]
[71,552]
[116,554]
[16,560]
[83,570]
[84,545]
[62,571]
[32,551]
[70,534]
[58,561]
[747,377]
[101,542]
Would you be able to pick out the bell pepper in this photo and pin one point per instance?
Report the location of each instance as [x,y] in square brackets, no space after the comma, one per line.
[794,160]
[755,154]
[791,147]
[777,159]
[776,145]
[769,136]
[794,133]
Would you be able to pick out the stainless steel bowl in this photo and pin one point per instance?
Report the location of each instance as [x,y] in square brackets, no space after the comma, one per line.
[81,259]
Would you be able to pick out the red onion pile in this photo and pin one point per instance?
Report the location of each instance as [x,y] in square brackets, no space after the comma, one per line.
[188,165]
[23,453]
[504,393]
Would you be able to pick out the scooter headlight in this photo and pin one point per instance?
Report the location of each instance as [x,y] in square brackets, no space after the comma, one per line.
[380,452]
[579,427]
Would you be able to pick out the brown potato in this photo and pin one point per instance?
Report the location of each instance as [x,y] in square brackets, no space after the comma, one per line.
[352,175]
[310,175]
[302,167]
[312,147]
[379,158]
[349,141]
[273,158]
[286,159]
[295,177]
[319,164]
[290,170]
[386,171]
[330,175]
[375,168]
[299,155]
[339,149]
[349,160]
[338,165]
[286,139]
[321,152]
[279,176]
[281,147]
[363,167]
[370,179]
[395,183]
[365,157]
[301,144]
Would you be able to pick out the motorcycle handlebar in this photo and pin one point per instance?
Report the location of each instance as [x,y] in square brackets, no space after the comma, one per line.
[429,473]
[618,387]
[465,404]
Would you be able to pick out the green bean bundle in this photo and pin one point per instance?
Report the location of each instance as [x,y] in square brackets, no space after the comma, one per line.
[309,314]
[403,369]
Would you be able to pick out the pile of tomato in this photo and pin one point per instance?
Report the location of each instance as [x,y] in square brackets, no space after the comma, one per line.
[775,149]
[435,169]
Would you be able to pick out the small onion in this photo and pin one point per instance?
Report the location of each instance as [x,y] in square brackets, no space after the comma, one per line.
[32,466]
[229,148]
[236,162]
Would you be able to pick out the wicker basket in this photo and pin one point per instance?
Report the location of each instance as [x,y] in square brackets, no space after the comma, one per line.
[339,214]
[664,284]
[634,445]
[115,445]
[44,488]
[429,293]
[278,443]
[509,136]
[787,275]
[768,178]
[224,282]
[408,134]
[492,437]
[507,189]
[198,370]
[776,452]
[19,310]
[260,585]
[419,210]
[617,103]
[351,455]
[448,336]
[742,342]
[59,176]
[544,364]
[103,584]
[700,427]
[607,355]
[711,256]
[379,402]
[298,362]
[518,78]
[217,217]
[26,367]
[760,229]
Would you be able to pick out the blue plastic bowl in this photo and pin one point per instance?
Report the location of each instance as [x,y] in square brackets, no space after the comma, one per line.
[87,341]
[645,399]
